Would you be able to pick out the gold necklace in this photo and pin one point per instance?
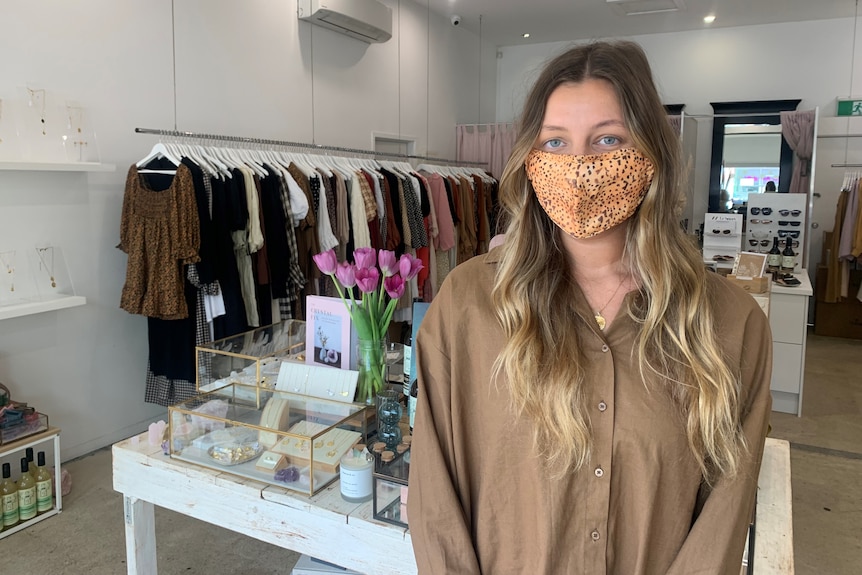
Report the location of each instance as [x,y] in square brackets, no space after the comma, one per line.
[44,263]
[10,268]
[41,93]
[600,319]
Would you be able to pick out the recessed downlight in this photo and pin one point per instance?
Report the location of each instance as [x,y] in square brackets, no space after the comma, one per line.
[525,35]
[709,19]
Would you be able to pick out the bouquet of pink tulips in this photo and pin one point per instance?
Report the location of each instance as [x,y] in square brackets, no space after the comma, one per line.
[372,313]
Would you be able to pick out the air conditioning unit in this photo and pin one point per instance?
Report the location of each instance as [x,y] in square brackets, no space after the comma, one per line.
[366,20]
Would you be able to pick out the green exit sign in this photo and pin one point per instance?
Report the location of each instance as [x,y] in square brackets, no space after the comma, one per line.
[850,107]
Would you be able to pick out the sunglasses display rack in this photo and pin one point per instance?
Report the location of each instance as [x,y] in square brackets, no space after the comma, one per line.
[722,238]
[776,215]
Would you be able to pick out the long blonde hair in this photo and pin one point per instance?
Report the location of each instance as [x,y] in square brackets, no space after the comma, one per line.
[533,289]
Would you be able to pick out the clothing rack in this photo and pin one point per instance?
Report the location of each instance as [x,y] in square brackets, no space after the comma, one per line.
[284,143]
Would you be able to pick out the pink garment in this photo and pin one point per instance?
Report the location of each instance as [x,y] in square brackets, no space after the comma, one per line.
[445,239]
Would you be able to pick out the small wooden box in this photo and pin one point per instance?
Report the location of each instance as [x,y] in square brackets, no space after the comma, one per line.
[752,285]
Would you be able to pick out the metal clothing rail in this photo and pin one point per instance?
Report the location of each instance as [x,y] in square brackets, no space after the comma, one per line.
[284,143]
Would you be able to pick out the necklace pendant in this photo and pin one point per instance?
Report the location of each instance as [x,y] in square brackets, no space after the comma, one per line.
[600,320]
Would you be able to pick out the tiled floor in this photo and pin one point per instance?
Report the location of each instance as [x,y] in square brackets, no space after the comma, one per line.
[826,460]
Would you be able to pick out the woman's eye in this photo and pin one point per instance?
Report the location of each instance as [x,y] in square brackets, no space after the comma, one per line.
[609,141]
[553,144]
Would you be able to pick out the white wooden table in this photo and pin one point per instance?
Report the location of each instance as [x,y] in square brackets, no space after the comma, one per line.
[323,525]
[329,528]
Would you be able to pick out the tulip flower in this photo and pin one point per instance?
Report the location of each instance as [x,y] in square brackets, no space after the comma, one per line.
[365,258]
[387,262]
[409,266]
[367,279]
[394,286]
[346,274]
[326,262]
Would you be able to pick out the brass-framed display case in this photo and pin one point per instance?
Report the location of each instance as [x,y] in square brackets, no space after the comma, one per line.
[250,358]
[285,439]
[389,495]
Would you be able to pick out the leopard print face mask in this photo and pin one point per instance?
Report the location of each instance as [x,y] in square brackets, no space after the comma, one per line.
[587,195]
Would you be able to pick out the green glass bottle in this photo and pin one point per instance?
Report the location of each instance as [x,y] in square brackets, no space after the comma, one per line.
[9,494]
[26,493]
[44,484]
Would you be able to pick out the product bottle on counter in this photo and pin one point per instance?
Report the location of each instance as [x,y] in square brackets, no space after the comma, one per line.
[411,402]
[773,258]
[9,495]
[408,356]
[26,493]
[31,463]
[788,257]
[44,484]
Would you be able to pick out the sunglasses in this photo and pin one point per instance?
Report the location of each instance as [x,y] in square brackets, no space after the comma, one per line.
[760,235]
[725,232]
[764,211]
[788,223]
[784,233]
[761,221]
[764,243]
[794,213]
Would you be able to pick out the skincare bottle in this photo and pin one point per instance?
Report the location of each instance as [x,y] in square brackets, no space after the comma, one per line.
[44,483]
[9,495]
[26,493]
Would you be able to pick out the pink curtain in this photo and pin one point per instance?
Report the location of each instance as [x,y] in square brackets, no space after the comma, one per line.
[798,129]
[489,143]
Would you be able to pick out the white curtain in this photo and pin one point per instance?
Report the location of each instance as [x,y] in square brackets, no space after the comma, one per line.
[488,143]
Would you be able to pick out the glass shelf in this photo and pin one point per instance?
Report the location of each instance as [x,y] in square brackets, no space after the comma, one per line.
[58,166]
[43,305]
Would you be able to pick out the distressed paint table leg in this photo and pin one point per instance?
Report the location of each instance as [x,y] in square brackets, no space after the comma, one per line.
[140,537]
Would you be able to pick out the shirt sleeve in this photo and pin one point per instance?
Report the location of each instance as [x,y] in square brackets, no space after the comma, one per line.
[439,523]
[717,537]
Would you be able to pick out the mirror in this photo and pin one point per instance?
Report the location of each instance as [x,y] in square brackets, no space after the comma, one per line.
[748,151]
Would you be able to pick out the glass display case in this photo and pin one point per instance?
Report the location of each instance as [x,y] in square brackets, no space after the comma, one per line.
[280,438]
[390,487]
[250,358]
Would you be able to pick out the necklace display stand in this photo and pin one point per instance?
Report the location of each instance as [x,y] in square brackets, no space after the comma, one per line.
[35,280]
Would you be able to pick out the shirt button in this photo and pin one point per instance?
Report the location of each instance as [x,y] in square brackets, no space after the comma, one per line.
[605,349]
[599,472]
[602,406]
[595,535]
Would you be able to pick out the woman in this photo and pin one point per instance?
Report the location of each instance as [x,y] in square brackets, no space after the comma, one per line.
[592,399]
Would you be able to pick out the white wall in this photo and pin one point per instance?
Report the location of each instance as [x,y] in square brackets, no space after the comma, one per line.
[806,60]
[242,68]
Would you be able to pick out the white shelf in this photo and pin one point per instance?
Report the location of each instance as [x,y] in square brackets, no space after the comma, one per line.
[42,305]
[58,166]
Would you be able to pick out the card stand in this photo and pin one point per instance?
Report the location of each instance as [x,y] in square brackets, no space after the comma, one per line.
[722,237]
[764,227]
[269,436]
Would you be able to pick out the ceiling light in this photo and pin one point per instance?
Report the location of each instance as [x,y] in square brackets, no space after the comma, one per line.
[526,34]
[709,19]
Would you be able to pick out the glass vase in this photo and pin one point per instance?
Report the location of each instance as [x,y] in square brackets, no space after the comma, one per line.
[389,413]
[371,363]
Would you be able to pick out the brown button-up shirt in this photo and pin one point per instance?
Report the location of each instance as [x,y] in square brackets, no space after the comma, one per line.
[481,500]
